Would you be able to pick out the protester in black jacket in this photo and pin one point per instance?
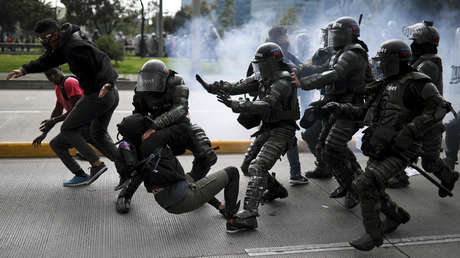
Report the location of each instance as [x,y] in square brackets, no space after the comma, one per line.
[97,79]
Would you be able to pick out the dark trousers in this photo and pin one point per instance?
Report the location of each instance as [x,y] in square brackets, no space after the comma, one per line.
[61,147]
[97,112]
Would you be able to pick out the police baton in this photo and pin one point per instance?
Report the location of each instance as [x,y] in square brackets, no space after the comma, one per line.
[432,180]
[201,81]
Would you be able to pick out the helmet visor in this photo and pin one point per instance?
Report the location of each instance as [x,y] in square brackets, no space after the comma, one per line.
[266,68]
[151,82]
[323,37]
[337,38]
[384,67]
[413,31]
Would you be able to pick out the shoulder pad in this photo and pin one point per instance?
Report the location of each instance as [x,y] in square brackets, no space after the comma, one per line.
[414,76]
[430,56]
[354,46]
[175,80]
[284,75]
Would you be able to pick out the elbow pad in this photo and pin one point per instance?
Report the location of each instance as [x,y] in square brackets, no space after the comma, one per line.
[317,81]
[169,118]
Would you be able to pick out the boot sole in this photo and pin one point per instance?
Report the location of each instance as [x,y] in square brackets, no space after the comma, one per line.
[239,230]
[298,182]
[359,248]
[76,185]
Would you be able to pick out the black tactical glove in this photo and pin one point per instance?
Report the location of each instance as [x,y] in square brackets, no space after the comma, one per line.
[403,140]
[225,98]
[332,107]
[211,88]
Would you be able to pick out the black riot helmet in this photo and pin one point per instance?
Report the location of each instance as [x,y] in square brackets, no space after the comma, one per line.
[392,56]
[343,32]
[423,32]
[267,59]
[152,77]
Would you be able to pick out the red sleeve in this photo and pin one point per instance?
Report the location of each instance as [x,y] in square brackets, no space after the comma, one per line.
[72,87]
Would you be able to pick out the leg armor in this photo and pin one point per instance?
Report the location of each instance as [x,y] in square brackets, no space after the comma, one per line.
[279,141]
[431,161]
[336,154]
[371,189]
[253,151]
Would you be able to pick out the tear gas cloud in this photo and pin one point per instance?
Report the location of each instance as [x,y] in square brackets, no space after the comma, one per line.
[382,20]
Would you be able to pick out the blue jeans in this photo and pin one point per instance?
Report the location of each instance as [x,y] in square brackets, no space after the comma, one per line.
[305,98]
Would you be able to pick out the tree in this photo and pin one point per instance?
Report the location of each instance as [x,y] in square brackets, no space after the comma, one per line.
[225,16]
[290,18]
[115,50]
[24,13]
[104,15]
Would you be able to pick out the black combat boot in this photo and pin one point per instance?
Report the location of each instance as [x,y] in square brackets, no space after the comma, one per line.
[242,221]
[339,192]
[320,172]
[274,189]
[366,242]
[123,204]
[391,222]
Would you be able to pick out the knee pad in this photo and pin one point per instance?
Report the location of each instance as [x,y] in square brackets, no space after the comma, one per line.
[364,183]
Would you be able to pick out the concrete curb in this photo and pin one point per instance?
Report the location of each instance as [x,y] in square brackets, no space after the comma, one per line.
[26,150]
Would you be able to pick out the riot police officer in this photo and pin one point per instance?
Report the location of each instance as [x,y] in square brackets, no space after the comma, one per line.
[402,106]
[425,40]
[343,82]
[162,97]
[276,108]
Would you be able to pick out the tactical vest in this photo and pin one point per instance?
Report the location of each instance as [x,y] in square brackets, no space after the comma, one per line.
[431,59]
[158,103]
[344,90]
[389,111]
[288,106]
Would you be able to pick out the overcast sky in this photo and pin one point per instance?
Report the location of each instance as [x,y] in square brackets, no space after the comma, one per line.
[170,7]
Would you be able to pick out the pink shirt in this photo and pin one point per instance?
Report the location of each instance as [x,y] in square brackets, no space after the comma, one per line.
[72,88]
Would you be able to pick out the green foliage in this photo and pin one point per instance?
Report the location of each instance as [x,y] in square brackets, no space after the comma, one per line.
[104,15]
[115,50]
[130,64]
[226,15]
[290,18]
[25,13]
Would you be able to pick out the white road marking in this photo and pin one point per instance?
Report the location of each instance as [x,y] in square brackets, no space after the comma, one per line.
[315,248]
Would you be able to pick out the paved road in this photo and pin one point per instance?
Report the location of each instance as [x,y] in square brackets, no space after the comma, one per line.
[40,218]
[21,112]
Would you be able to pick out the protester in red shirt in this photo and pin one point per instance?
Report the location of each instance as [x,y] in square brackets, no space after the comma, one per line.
[72,94]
